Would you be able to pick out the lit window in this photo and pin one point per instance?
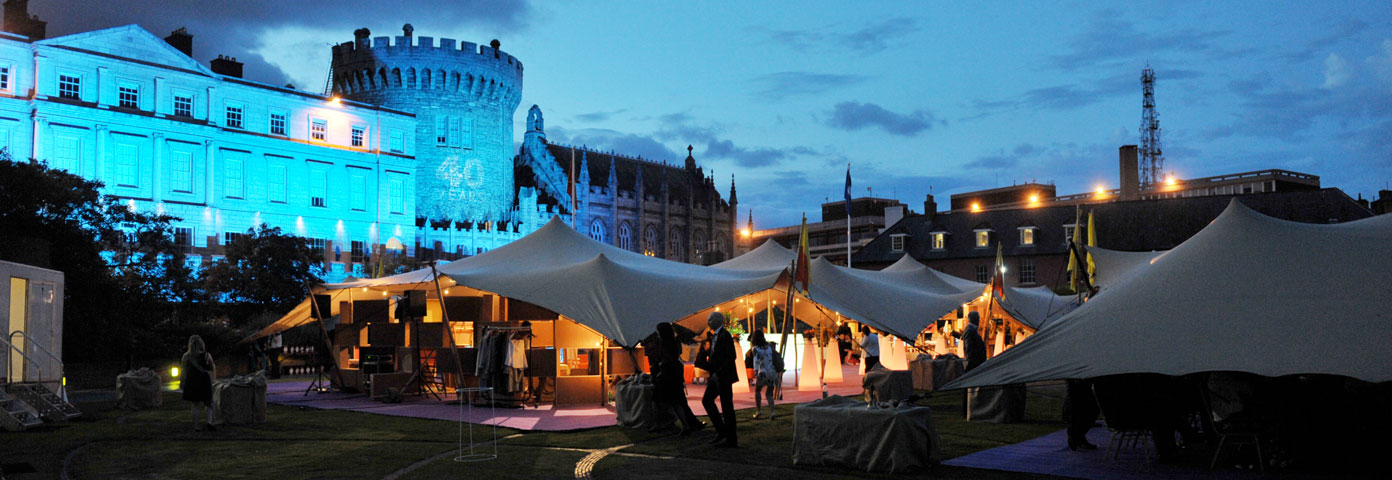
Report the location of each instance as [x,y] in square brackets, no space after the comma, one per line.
[182,180]
[1027,270]
[939,241]
[318,129]
[183,105]
[128,96]
[983,238]
[896,243]
[70,86]
[983,273]
[398,141]
[276,187]
[650,242]
[277,123]
[359,135]
[234,116]
[1027,236]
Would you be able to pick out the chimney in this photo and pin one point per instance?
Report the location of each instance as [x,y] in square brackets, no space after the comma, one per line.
[225,65]
[930,207]
[892,215]
[1130,174]
[181,41]
[18,21]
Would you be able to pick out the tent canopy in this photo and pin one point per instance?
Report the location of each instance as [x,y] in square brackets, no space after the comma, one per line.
[1248,293]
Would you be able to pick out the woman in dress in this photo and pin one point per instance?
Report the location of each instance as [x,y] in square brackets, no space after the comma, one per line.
[198,379]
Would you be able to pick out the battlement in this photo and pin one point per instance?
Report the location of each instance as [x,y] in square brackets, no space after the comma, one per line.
[444,65]
[383,46]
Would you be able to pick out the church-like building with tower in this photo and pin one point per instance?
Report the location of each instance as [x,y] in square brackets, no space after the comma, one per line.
[410,148]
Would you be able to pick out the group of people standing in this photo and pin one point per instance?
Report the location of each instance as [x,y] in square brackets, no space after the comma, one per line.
[717,355]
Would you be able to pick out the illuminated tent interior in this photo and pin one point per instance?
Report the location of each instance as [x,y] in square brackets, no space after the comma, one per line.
[1248,293]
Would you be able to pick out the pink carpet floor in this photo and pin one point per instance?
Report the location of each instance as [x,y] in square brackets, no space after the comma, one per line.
[545,417]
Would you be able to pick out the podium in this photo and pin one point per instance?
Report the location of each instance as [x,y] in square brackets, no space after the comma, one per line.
[832,364]
[810,378]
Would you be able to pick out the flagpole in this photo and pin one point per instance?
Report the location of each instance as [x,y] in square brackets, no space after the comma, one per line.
[848,215]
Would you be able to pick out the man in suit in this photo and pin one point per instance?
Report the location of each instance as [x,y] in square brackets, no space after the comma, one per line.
[719,360]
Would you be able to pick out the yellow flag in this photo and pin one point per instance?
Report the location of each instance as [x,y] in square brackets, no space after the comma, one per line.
[1092,242]
[1072,257]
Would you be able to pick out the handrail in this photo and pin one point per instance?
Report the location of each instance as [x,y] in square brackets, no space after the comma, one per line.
[62,369]
[8,367]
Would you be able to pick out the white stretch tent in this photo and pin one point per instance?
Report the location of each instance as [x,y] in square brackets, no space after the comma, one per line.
[1248,293]
[918,273]
[1114,265]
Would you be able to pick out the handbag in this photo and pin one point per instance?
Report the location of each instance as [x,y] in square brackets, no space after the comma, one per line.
[749,358]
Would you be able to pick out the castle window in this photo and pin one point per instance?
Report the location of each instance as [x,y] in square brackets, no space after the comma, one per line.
[698,244]
[597,230]
[318,129]
[233,184]
[234,116]
[128,95]
[278,123]
[396,196]
[674,244]
[70,86]
[359,135]
[441,130]
[276,184]
[359,252]
[127,164]
[318,187]
[625,236]
[358,193]
[411,78]
[183,238]
[650,241]
[182,180]
[183,105]
[4,77]
[398,141]
[229,238]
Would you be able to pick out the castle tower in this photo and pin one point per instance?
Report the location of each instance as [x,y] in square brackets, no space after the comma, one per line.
[464,97]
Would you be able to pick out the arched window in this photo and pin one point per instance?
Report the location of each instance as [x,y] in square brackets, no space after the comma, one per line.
[426,80]
[674,244]
[625,237]
[725,244]
[650,241]
[597,229]
[396,77]
[698,244]
[411,77]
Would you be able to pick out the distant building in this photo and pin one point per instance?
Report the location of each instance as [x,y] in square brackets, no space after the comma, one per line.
[1383,204]
[827,238]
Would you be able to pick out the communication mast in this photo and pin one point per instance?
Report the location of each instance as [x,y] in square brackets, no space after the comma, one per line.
[1152,159]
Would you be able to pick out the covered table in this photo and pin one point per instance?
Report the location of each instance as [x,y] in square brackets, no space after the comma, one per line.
[138,389]
[634,405]
[241,399]
[932,373]
[883,385]
[841,431]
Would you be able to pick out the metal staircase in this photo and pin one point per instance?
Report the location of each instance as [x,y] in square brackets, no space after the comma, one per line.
[16,415]
[50,406]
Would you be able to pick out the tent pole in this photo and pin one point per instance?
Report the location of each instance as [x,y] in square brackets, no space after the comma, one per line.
[328,342]
[449,332]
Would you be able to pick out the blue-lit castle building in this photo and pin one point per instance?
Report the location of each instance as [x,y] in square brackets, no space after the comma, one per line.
[412,150]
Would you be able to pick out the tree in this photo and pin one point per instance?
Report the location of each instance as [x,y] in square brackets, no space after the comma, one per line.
[264,270]
[54,219]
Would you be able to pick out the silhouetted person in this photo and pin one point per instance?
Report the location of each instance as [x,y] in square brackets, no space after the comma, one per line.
[975,346]
[1079,413]
[719,360]
[669,379]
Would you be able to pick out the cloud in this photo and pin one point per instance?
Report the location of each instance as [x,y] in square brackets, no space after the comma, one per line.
[1077,95]
[599,116]
[605,140]
[1001,160]
[780,85]
[856,116]
[1337,71]
[745,157]
[875,36]
[240,29]
[1109,42]
[1346,29]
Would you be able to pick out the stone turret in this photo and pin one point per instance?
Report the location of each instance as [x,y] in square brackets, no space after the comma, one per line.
[464,97]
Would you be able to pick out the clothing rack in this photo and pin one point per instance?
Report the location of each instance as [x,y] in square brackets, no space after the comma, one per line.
[528,390]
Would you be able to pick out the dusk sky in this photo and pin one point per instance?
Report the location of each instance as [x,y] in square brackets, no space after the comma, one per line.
[947,96]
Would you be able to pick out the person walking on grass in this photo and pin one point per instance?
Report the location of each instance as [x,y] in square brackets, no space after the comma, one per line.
[719,360]
[197,384]
[766,374]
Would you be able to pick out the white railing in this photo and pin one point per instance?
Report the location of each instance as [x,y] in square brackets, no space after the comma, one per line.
[62,388]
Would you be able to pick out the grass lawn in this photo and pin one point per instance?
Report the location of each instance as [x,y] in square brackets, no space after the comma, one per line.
[298,443]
